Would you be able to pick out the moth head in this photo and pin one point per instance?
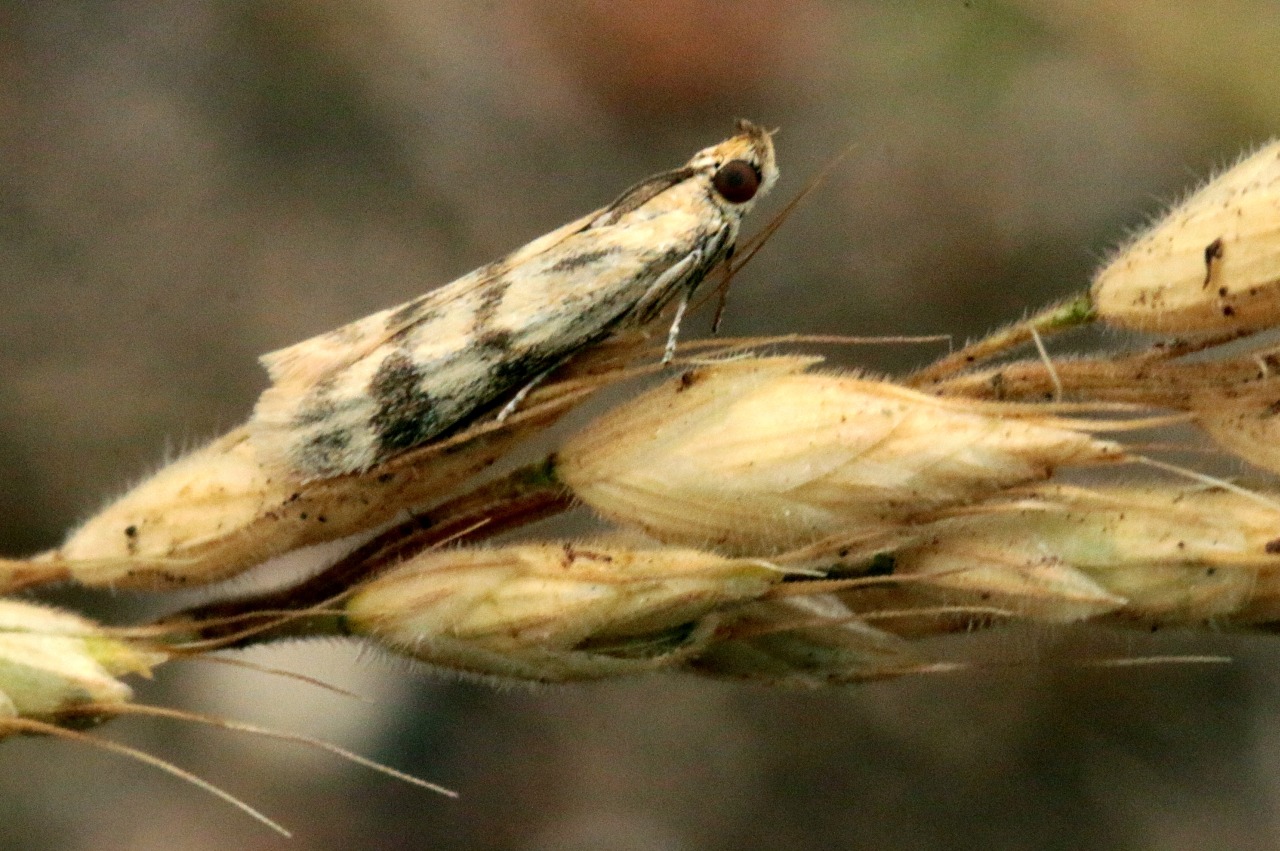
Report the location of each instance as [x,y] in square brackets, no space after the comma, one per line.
[741,168]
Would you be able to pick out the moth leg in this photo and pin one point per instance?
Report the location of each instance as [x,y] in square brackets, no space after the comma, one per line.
[510,408]
[674,334]
[660,290]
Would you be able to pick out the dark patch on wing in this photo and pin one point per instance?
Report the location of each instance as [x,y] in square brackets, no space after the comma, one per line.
[411,313]
[642,193]
[406,312]
[326,441]
[321,409]
[318,406]
[324,451]
[406,415]
[494,341]
[314,413]
[344,335]
[577,261]
[493,269]
[512,373]
[490,299]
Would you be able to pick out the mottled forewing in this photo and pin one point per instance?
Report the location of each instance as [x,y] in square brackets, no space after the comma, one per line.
[296,368]
[402,377]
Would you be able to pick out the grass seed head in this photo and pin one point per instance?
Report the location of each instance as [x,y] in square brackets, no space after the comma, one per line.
[219,510]
[1212,264]
[553,611]
[757,456]
[52,662]
[1152,555]
[1246,423]
[803,641]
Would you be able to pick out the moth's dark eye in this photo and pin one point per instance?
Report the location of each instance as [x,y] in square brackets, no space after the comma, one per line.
[737,181]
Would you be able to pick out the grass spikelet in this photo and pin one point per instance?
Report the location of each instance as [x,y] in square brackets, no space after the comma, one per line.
[759,456]
[53,662]
[1212,264]
[554,611]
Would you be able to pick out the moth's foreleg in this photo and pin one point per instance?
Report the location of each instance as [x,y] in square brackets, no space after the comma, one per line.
[510,408]
[659,292]
[673,336]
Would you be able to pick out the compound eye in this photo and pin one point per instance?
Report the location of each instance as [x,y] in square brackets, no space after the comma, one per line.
[737,181]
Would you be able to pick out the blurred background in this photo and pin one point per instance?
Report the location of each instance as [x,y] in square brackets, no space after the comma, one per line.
[185,184]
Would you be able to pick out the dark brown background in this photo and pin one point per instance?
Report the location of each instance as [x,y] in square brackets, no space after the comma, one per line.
[185,184]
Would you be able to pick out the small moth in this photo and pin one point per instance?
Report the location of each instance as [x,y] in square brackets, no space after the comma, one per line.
[343,401]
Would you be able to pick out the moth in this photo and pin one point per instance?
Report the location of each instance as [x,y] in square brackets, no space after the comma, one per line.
[346,400]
